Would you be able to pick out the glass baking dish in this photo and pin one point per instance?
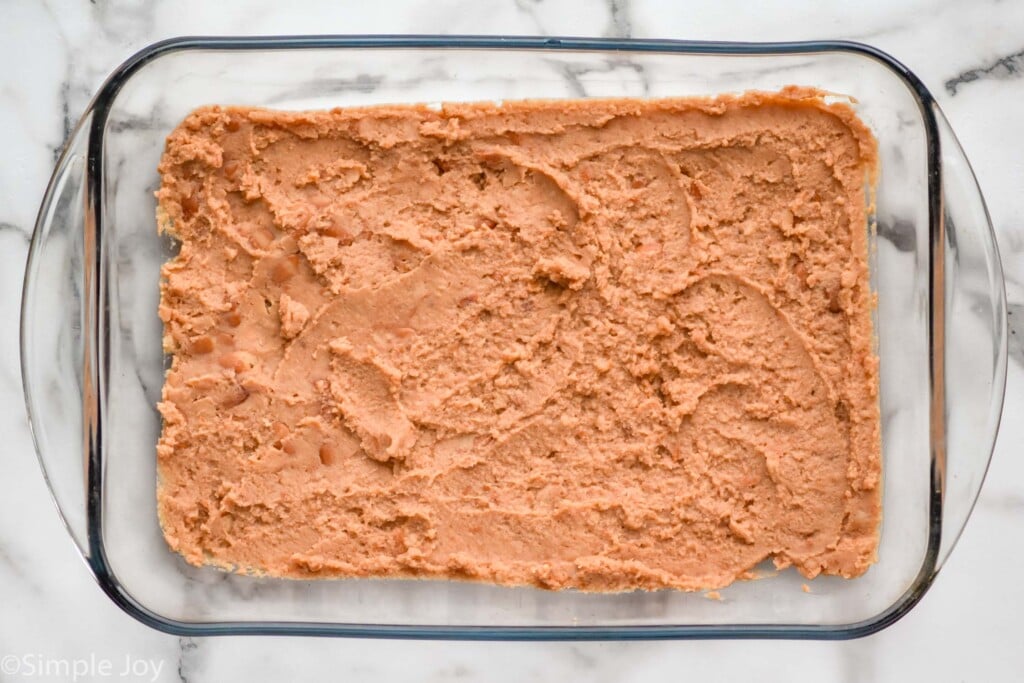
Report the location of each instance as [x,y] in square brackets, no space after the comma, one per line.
[93,367]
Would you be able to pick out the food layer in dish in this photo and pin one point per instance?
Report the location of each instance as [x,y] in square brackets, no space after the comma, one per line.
[604,345]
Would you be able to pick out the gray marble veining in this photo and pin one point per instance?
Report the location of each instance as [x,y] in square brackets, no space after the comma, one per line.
[1004,68]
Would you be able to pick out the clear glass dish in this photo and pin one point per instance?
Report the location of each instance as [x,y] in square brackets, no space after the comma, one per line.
[93,367]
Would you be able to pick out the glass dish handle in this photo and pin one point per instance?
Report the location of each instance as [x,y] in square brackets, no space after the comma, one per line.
[52,342]
[975,340]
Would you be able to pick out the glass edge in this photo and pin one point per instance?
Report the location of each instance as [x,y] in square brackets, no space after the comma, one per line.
[998,397]
[99,109]
[110,585]
[30,282]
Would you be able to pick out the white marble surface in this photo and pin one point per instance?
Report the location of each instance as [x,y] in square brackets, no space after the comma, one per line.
[55,55]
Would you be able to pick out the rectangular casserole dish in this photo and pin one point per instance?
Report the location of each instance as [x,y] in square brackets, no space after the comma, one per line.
[93,367]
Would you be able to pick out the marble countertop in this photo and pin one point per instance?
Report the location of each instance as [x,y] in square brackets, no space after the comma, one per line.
[55,55]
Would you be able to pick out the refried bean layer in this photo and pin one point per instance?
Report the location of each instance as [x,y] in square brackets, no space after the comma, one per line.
[603,345]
